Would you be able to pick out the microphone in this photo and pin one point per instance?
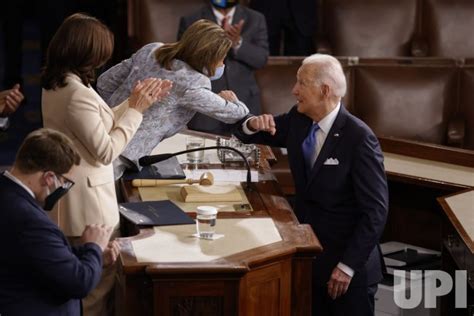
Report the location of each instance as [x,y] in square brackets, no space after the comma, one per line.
[149,160]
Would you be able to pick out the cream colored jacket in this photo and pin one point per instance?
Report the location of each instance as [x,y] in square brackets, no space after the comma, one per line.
[100,134]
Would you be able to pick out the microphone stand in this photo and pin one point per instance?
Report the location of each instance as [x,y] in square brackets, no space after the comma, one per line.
[149,160]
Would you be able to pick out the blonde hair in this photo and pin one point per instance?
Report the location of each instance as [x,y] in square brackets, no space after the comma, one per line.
[328,70]
[202,46]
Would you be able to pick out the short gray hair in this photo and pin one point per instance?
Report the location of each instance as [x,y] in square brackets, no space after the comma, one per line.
[328,70]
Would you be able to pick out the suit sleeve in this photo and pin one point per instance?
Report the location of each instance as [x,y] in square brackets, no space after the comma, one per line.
[85,121]
[370,186]
[278,140]
[254,48]
[55,265]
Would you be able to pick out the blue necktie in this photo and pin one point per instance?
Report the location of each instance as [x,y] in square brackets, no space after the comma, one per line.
[309,147]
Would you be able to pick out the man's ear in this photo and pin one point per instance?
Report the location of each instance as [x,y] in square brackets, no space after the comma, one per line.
[47,178]
[325,90]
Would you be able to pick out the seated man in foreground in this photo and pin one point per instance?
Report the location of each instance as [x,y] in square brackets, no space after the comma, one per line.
[40,273]
[341,188]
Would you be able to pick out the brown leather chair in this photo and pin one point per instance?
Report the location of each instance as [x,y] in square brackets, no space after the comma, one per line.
[414,102]
[467,104]
[157,20]
[276,80]
[448,27]
[368,28]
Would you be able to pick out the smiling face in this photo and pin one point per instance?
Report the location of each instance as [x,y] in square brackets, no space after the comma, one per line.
[309,95]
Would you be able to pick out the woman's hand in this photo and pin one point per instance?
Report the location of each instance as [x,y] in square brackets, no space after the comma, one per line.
[147,92]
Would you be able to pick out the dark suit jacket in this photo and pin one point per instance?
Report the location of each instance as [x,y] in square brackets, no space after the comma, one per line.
[40,274]
[239,71]
[346,204]
[303,12]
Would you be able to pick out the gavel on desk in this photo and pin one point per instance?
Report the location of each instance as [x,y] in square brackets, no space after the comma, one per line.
[206,179]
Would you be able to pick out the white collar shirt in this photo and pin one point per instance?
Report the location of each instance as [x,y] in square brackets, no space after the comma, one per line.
[17,181]
[324,127]
[219,16]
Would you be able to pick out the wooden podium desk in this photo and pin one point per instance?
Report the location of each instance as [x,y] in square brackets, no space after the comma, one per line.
[274,279]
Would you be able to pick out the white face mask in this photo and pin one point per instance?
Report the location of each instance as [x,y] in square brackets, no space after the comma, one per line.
[218,73]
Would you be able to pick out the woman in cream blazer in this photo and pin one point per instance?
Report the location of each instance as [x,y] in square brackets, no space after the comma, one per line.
[70,105]
[73,107]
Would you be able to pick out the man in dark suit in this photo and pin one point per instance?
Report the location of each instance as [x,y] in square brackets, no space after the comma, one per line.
[293,20]
[341,188]
[247,30]
[40,273]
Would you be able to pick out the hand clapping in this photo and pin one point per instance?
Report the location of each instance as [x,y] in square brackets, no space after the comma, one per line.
[10,100]
[147,92]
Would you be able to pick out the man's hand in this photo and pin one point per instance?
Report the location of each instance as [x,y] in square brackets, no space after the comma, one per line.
[228,95]
[338,283]
[111,253]
[264,122]
[233,31]
[11,100]
[98,234]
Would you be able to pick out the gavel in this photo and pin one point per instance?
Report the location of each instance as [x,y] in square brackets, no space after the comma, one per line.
[206,179]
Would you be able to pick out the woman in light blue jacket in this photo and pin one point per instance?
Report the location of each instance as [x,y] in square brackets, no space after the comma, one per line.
[190,64]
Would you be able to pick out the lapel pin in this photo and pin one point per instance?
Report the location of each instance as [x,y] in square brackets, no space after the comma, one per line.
[336,135]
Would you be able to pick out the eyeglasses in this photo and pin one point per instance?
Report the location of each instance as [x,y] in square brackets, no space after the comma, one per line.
[67,183]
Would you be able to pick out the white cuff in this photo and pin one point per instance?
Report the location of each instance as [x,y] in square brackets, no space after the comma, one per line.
[346,269]
[245,129]
[236,47]
[4,123]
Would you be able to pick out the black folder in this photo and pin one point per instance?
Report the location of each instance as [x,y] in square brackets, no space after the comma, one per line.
[155,213]
[167,169]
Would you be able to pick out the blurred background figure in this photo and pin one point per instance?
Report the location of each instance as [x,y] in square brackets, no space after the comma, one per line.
[10,100]
[247,30]
[291,23]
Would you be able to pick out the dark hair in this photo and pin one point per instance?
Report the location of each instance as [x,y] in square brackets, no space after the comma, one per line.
[47,150]
[80,46]
[202,46]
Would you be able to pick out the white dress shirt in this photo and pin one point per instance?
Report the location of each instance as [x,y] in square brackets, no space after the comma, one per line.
[219,16]
[325,125]
[17,181]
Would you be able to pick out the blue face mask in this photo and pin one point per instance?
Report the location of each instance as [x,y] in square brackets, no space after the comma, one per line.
[224,4]
[218,73]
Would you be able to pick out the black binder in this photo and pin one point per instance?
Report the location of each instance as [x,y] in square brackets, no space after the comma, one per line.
[167,169]
[155,213]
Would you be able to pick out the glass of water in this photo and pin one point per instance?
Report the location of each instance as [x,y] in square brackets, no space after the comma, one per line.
[206,221]
[193,142]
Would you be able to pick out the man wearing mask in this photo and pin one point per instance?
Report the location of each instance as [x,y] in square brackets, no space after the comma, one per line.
[248,32]
[40,273]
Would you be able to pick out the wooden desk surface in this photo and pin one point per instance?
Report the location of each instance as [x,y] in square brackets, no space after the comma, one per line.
[274,279]
[459,208]
[267,201]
